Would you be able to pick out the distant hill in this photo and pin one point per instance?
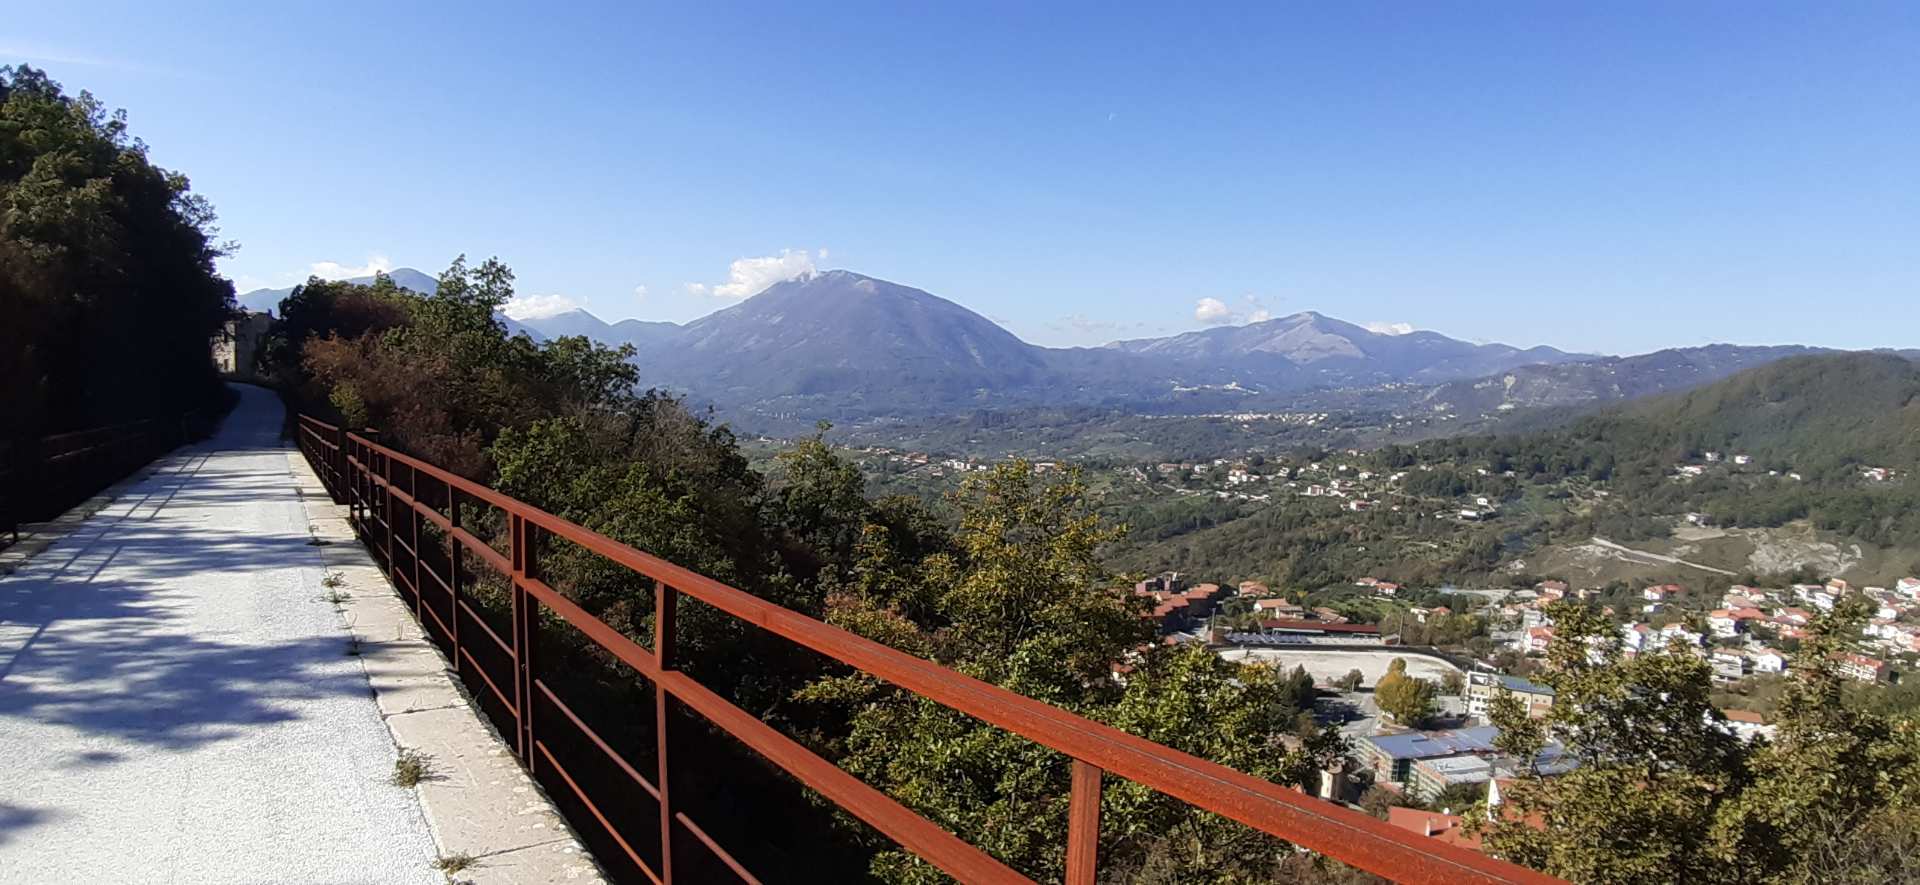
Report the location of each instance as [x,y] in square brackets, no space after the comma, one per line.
[1328,345]
[1597,381]
[268,300]
[1814,412]
[845,337]
[639,333]
[642,334]
[1809,424]
[572,322]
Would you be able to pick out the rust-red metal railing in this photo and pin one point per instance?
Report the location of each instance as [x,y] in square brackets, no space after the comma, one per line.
[384,487]
[49,474]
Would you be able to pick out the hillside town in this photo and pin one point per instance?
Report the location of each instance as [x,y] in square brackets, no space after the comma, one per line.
[1418,770]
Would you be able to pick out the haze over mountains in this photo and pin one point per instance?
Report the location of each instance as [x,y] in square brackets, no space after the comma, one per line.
[838,344]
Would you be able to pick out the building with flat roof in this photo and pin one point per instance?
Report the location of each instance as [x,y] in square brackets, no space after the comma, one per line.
[1426,762]
[1484,685]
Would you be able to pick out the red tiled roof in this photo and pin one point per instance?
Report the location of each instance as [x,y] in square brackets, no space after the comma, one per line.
[1448,828]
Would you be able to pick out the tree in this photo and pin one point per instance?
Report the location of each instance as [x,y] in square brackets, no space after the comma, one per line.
[1409,701]
[109,297]
[1453,684]
[438,374]
[1019,600]
[1352,681]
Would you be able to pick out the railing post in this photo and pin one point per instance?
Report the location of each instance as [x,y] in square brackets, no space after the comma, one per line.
[413,510]
[526,626]
[386,519]
[665,602]
[1083,825]
[453,575]
[339,463]
[352,485]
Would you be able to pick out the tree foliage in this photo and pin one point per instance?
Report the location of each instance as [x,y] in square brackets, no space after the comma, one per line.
[109,300]
[1677,795]
[1408,700]
[1017,600]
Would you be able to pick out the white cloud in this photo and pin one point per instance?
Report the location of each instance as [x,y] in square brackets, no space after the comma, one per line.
[640,292]
[334,270]
[751,276]
[1216,312]
[1212,311]
[1390,328]
[531,307]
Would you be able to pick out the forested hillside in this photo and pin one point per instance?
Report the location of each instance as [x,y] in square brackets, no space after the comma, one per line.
[1810,430]
[1819,422]
[108,294]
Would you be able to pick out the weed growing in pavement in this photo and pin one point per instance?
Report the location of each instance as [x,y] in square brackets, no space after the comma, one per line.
[411,768]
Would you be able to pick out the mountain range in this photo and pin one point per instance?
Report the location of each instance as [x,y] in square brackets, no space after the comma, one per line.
[268,300]
[841,345]
[1327,344]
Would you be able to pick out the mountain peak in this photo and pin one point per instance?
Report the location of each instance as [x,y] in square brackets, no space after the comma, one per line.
[1313,339]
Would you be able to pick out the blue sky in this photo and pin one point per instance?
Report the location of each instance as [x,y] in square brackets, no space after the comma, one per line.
[1616,178]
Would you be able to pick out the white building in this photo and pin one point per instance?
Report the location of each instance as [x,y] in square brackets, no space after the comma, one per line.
[1766,660]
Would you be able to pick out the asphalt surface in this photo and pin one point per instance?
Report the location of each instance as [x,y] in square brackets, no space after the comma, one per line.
[176,700]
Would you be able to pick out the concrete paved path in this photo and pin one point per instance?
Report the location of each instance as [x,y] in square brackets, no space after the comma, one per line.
[176,701]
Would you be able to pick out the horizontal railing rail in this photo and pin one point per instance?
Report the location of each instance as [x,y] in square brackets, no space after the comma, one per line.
[385,488]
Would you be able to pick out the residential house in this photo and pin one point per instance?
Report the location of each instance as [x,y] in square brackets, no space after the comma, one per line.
[1766,660]
[1797,617]
[1729,665]
[1677,631]
[1862,668]
[1329,616]
[1447,828]
[1277,607]
[1746,724]
[1483,686]
[1662,592]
